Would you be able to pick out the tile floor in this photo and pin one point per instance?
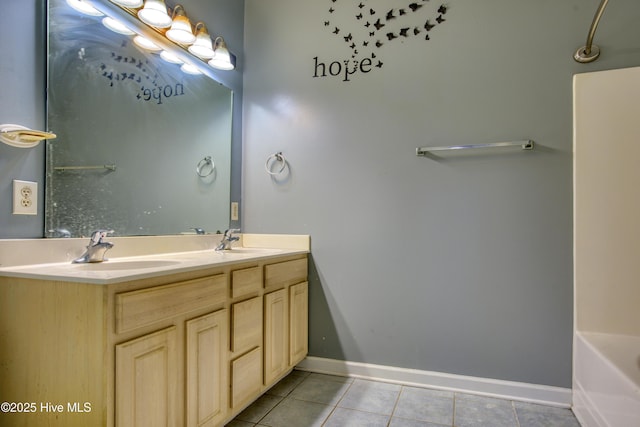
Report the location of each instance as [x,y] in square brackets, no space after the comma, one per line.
[305,399]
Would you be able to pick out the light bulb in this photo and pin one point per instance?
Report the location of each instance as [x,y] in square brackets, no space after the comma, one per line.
[154,13]
[146,44]
[180,31]
[190,69]
[116,26]
[84,8]
[128,3]
[170,57]
[202,47]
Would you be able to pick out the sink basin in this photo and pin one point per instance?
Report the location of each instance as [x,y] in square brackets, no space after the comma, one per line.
[126,265]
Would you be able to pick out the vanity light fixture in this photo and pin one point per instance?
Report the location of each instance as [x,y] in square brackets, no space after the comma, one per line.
[128,3]
[180,31]
[84,8]
[116,26]
[154,13]
[202,47]
[223,59]
[146,44]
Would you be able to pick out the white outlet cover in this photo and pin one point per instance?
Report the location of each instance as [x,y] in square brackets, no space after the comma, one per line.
[25,197]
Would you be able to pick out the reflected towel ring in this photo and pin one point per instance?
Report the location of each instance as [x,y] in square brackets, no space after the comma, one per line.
[202,165]
[271,160]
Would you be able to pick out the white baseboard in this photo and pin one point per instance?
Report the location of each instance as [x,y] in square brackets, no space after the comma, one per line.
[525,392]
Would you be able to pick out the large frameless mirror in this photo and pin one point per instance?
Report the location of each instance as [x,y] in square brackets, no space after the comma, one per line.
[143,148]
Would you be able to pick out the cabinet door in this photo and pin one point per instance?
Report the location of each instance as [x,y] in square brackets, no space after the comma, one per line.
[207,373]
[299,322]
[276,335]
[147,387]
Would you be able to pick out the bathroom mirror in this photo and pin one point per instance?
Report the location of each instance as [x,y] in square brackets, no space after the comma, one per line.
[142,148]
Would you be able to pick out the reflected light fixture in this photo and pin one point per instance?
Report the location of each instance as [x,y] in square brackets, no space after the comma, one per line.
[116,26]
[128,3]
[180,31]
[223,59]
[190,69]
[84,8]
[202,47]
[154,13]
[170,57]
[146,44]
[181,43]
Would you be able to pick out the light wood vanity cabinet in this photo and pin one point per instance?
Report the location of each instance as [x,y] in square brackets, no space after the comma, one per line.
[189,349]
[150,368]
[286,338]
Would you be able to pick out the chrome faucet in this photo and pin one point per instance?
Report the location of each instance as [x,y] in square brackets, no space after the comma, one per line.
[227,239]
[96,248]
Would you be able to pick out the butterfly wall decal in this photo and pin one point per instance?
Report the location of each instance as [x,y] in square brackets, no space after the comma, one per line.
[401,24]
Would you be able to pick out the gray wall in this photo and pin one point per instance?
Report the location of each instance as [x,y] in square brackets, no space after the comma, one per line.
[461,264]
[22,98]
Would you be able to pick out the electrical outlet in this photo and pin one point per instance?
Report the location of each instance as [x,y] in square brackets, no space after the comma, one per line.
[25,197]
[234,211]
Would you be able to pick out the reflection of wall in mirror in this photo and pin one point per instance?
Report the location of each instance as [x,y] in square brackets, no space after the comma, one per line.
[111,103]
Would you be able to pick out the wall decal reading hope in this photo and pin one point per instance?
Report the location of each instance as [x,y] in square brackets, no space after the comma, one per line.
[128,69]
[367,27]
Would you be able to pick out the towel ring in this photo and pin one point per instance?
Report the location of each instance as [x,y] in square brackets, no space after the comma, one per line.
[271,160]
[207,161]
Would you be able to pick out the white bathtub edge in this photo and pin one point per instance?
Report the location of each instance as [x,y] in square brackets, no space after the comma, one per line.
[584,410]
[511,390]
[603,395]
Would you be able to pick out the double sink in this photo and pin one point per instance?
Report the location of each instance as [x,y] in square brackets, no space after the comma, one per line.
[129,264]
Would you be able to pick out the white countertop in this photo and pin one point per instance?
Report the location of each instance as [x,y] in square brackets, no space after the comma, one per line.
[125,268]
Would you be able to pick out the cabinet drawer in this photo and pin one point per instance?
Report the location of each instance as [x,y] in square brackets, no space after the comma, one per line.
[246,377]
[285,273]
[147,306]
[245,281]
[246,324]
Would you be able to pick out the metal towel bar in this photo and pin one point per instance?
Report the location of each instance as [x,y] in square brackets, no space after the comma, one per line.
[77,168]
[526,144]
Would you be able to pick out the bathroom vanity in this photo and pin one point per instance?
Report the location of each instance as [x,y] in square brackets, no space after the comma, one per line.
[174,339]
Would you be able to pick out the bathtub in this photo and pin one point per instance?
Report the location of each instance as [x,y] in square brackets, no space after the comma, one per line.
[606,380]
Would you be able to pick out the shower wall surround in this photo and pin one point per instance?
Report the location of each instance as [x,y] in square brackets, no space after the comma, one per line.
[460,264]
